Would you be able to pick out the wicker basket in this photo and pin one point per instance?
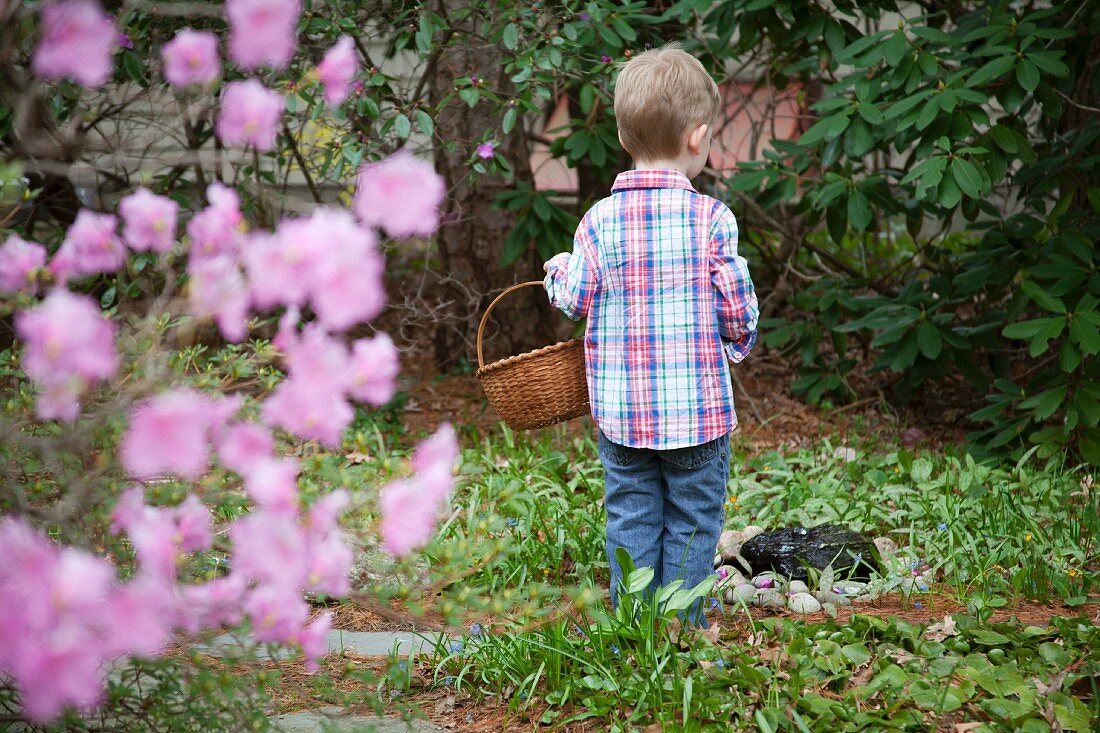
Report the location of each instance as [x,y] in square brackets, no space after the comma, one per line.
[538,388]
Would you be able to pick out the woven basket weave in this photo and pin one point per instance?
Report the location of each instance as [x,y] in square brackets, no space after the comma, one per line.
[538,388]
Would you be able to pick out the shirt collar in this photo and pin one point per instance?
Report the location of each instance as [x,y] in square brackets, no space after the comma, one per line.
[651,178]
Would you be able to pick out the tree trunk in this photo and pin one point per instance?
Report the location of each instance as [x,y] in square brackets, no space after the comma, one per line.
[471,239]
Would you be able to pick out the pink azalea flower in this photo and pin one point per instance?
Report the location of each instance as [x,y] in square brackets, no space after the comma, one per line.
[295,407]
[310,403]
[242,445]
[278,613]
[314,640]
[193,528]
[408,517]
[375,364]
[218,290]
[56,626]
[124,41]
[346,286]
[141,613]
[272,483]
[250,115]
[69,345]
[486,150]
[262,32]
[271,549]
[325,513]
[280,266]
[217,229]
[401,194]
[91,246]
[78,39]
[150,221]
[19,260]
[191,58]
[211,604]
[439,453]
[337,68]
[330,563]
[171,433]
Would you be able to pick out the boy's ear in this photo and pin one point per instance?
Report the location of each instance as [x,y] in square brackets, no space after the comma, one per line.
[696,138]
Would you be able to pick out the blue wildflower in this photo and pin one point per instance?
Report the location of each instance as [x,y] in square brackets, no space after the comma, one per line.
[721,664]
[923,587]
[859,556]
[513,522]
[713,602]
[614,649]
[942,527]
[456,647]
[523,696]
[918,604]
[475,631]
[402,666]
[448,681]
[578,631]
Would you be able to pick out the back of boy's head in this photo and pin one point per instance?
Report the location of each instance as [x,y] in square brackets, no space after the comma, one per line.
[662,95]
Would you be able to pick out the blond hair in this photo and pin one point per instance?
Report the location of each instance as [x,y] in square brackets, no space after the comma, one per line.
[660,96]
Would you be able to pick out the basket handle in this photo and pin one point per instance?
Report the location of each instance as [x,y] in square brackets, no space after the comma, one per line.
[485,318]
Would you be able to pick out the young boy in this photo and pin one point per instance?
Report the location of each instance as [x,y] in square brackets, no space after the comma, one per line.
[655,269]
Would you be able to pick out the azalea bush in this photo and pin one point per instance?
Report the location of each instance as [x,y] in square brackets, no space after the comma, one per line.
[145,501]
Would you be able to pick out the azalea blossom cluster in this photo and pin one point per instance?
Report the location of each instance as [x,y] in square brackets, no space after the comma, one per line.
[63,612]
[79,38]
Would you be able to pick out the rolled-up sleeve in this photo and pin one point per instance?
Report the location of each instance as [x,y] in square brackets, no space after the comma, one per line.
[573,278]
[734,295]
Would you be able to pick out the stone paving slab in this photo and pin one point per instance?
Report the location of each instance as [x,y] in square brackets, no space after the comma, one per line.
[366,643]
[337,720]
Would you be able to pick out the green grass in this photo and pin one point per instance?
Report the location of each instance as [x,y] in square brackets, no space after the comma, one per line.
[528,533]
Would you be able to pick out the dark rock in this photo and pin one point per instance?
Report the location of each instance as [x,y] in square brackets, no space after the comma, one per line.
[788,552]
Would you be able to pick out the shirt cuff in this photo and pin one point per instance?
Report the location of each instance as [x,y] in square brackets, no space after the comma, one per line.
[555,264]
[736,351]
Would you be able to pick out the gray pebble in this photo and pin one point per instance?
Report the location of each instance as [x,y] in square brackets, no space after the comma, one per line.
[768,598]
[797,586]
[803,603]
[740,592]
[827,596]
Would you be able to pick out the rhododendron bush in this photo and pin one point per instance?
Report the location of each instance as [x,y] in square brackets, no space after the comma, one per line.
[102,417]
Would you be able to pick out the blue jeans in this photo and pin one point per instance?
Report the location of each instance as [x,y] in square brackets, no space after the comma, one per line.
[666,508]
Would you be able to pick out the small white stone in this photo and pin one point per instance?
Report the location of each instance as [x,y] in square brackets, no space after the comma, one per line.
[886,546]
[778,582]
[844,453]
[827,596]
[803,603]
[768,598]
[729,543]
[751,531]
[797,586]
[743,592]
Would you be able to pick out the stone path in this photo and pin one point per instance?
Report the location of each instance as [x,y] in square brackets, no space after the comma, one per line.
[367,643]
[335,719]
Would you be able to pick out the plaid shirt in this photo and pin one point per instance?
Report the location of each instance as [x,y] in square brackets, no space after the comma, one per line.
[655,269]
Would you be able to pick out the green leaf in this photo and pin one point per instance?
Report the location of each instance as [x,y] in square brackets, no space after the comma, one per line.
[896,48]
[1027,75]
[1045,403]
[1085,334]
[424,122]
[511,36]
[859,211]
[1041,298]
[1048,62]
[639,580]
[826,127]
[967,176]
[402,126]
[1004,137]
[509,121]
[995,68]
[929,340]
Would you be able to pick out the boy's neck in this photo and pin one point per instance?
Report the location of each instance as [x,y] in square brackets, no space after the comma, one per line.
[665,164]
